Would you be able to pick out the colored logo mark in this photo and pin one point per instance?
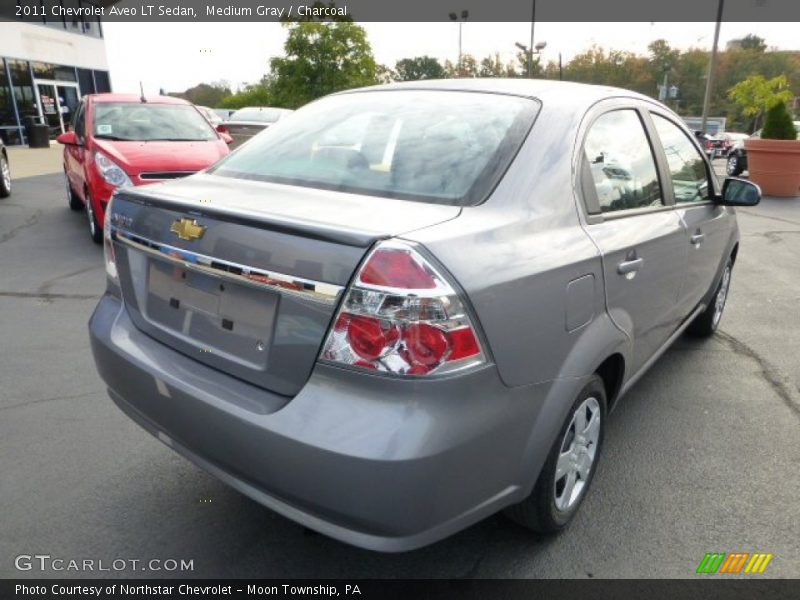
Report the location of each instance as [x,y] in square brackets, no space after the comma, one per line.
[734,562]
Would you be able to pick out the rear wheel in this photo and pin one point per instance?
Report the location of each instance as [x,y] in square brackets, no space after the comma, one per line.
[707,322]
[733,166]
[565,478]
[72,198]
[95,229]
[5,177]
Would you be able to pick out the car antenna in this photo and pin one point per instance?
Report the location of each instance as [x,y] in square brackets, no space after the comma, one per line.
[141,90]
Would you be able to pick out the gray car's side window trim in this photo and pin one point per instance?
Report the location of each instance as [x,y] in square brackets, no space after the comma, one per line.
[590,203]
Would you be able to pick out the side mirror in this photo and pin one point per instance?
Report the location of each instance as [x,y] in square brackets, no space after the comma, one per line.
[221,128]
[226,137]
[70,138]
[739,192]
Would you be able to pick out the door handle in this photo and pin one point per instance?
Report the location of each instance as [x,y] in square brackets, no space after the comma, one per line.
[629,266]
[698,238]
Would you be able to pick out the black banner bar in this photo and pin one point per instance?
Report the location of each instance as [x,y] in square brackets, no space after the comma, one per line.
[703,588]
[407,10]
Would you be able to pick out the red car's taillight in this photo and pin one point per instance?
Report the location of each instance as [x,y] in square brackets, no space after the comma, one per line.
[402,316]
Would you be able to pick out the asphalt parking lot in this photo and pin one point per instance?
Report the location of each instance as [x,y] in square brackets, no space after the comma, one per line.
[702,455]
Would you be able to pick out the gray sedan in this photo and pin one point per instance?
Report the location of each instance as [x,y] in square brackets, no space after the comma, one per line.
[408,307]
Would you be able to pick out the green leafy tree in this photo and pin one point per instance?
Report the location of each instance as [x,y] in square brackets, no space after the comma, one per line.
[750,42]
[778,124]
[206,94]
[419,67]
[257,94]
[756,94]
[321,58]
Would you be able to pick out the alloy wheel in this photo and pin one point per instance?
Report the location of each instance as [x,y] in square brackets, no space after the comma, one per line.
[722,296]
[577,456]
[731,165]
[5,174]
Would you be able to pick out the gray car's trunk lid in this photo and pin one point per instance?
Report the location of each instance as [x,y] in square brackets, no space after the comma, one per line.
[255,294]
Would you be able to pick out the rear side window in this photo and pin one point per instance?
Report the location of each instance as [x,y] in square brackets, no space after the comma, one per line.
[621,162]
[434,146]
[687,169]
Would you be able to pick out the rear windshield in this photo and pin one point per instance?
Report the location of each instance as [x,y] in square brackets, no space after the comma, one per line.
[149,122]
[435,146]
[262,115]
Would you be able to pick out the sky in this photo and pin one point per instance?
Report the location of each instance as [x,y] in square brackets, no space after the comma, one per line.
[176,56]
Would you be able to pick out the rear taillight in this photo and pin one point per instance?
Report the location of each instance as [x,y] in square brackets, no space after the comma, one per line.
[401,316]
[108,247]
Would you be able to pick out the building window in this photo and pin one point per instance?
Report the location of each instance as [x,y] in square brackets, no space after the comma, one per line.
[102,82]
[9,128]
[85,82]
[22,88]
[52,72]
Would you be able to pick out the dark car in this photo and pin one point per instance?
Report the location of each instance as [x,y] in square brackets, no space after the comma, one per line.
[408,307]
[736,160]
[5,172]
[250,121]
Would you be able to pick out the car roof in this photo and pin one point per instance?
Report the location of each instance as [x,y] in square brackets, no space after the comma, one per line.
[546,90]
[135,99]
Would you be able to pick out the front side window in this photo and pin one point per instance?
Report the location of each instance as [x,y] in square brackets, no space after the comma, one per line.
[432,146]
[150,122]
[621,162]
[687,168]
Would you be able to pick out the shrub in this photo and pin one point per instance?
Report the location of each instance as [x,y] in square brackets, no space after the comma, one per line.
[778,124]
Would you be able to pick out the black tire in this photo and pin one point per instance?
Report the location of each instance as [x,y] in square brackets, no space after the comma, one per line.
[539,511]
[74,202]
[96,231]
[733,165]
[5,177]
[707,322]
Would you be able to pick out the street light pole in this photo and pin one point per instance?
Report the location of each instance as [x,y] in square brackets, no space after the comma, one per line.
[454,17]
[711,67]
[530,54]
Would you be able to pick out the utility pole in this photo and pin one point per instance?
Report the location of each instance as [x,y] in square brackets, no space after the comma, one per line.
[454,17]
[530,54]
[711,67]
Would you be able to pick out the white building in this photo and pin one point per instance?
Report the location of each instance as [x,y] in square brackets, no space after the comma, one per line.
[47,63]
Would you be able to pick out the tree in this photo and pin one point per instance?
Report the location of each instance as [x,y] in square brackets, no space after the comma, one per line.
[257,94]
[321,58]
[778,124]
[206,94]
[756,94]
[750,42]
[419,67]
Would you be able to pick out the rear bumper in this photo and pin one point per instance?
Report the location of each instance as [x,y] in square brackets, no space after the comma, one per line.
[375,462]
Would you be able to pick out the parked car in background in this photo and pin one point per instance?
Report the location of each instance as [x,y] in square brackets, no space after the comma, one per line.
[210,115]
[119,140]
[411,306]
[736,158]
[5,172]
[224,113]
[247,122]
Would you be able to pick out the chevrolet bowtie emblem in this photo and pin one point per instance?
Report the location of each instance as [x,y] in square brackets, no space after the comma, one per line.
[188,229]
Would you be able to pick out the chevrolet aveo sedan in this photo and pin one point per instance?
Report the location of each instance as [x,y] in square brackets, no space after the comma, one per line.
[119,140]
[404,308]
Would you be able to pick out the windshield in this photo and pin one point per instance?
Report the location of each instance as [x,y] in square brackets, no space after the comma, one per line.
[436,146]
[262,115]
[149,122]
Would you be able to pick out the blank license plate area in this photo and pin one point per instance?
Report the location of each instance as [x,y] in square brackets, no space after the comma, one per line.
[217,316]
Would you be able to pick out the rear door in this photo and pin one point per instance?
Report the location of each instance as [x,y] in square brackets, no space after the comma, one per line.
[639,234]
[707,225]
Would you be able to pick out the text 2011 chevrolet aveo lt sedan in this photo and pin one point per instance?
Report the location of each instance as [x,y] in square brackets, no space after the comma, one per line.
[404,308]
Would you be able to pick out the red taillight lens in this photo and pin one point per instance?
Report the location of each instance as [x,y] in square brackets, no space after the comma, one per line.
[371,338]
[426,344]
[402,316]
[394,267]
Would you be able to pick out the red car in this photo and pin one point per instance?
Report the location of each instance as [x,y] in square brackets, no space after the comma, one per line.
[120,139]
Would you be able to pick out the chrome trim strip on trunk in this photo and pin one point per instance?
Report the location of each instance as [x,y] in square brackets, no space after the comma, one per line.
[326,293]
